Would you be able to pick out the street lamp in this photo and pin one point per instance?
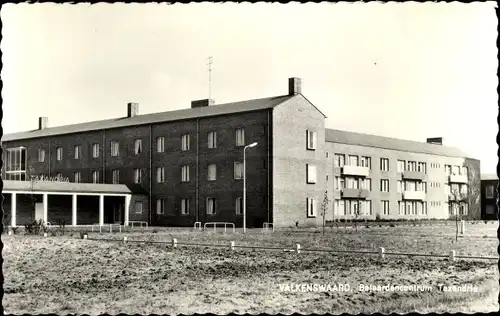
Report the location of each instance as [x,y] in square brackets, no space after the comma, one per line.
[245,187]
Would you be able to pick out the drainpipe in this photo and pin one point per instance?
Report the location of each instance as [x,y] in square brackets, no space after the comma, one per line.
[197,167]
[150,170]
[50,160]
[269,164]
[103,156]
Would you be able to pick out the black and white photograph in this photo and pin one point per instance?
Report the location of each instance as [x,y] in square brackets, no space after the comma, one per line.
[239,158]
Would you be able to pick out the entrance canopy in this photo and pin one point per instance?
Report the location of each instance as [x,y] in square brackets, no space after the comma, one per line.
[54,188]
[64,188]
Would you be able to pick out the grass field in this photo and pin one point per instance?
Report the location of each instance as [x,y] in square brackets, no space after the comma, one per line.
[68,275]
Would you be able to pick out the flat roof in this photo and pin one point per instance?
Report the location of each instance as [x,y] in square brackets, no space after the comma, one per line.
[55,186]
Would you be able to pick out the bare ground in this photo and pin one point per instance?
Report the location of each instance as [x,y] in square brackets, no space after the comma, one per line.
[65,275]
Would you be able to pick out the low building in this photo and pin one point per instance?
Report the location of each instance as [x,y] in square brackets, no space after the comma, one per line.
[489,196]
[72,204]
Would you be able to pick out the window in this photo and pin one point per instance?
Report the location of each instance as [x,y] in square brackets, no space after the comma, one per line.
[411,166]
[384,164]
[160,206]
[211,206]
[59,153]
[238,170]
[326,154]
[339,160]
[385,207]
[490,191]
[400,186]
[212,140]
[212,172]
[160,174]
[115,148]
[464,189]
[366,162]
[311,140]
[384,185]
[138,146]
[185,142]
[311,207]
[240,137]
[401,166]
[339,182]
[185,173]
[137,176]
[95,150]
[339,207]
[78,177]
[424,208]
[78,151]
[366,184]
[41,155]
[455,170]
[311,174]
[465,171]
[422,167]
[447,170]
[353,160]
[95,176]
[366,207]
[490,209]
[239,206]
[401,206]
[116,176]
[160,144]
[352,183]
[184,206]
[138,207]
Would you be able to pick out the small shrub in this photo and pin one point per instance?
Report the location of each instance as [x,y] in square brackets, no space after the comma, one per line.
[82,233]
[14,230]
[391,225]
[486,222]
[155,231]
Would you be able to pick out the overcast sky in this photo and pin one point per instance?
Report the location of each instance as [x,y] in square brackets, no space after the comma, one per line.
[406,70]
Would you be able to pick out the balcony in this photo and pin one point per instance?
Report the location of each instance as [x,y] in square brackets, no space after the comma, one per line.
[458,178]
[414,175]
[457,198]
[355,171]
[355,193]
[414,195]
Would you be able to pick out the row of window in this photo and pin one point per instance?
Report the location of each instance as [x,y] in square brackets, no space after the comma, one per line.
[211,206]
[402,165]
[160,146]
[353,207]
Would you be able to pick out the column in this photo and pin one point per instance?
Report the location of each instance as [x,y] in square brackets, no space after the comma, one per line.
[45,208]
[73,210]
[13,209]
[128,197]
[101,209]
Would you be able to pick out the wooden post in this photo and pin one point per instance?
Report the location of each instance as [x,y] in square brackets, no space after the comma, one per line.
[232,245]
[124,239]
[297,247]
[381,252]
[462,227]
[452,255]
[174,243]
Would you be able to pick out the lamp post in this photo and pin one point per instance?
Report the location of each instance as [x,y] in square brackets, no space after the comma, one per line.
[245,186]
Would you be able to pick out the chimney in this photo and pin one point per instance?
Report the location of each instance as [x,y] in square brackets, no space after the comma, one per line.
[132,109]
[43,122]
[202,103]
[294,86]
[435,140]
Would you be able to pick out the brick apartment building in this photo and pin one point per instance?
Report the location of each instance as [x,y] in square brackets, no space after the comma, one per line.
[489,196]
[189,163]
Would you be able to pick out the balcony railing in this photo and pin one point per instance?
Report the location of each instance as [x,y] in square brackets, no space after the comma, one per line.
[355,193]
[414,175]
[356,171]
[458,178]
[414,195]
[457,197]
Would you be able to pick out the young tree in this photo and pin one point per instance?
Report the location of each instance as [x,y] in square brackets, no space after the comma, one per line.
[324,208]
[457,198]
